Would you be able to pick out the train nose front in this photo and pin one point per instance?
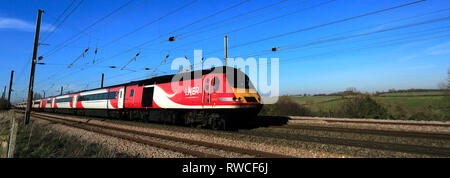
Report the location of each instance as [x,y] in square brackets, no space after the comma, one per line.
[247,96]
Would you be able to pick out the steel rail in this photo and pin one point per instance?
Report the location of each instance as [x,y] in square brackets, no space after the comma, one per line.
[370,122]
[177,139]
[129,138]
[369,131]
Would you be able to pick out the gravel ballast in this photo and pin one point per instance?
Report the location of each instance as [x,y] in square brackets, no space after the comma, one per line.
[291,142]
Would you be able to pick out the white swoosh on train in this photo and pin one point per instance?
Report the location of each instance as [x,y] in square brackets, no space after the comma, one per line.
[165,102]
[170,96]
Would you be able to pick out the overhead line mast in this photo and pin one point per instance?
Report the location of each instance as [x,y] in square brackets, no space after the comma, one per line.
[10,88]
[226,49]
[33,66]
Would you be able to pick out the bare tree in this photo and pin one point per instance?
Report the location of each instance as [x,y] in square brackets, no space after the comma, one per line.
[37,96]
[351,89]
[443,86]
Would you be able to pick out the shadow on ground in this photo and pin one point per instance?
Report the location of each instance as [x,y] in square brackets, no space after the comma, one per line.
[266,121]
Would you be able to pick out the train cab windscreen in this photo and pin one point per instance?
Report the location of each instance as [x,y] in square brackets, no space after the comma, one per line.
[238,79]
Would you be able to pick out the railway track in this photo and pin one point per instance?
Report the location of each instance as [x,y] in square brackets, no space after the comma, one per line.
[368,144]
[406,148]
[116,130]
[124,133]
[438,136]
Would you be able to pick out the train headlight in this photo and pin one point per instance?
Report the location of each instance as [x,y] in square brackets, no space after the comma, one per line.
[237,99]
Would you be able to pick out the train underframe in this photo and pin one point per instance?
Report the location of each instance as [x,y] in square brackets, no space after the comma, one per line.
[218,119]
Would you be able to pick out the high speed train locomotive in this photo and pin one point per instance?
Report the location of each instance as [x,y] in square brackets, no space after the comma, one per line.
[218,98]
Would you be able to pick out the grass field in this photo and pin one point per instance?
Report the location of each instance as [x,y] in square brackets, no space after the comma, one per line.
[313,99]
[423,93]
[414,103]
[404,105]
[37,141]
[325,106]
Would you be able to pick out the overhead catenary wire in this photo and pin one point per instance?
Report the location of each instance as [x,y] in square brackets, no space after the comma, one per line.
[232,17]
[162,61]
[93,81]
[393,21]
[370,33]
[149,23]
[321,25]
[59,17]
[146,43]
[112,19]
[180,28]
[353,49]
[353,35]
[132,59]
[257,15]
[393,42]
[257,23]
[373,32]
[356,29]
[359,48]
[288,47]
[362,28]
[81,55]
[172,12]
[23,70]
[404,5]
[377,45]
[63,20]
[120,15]
[433,31]
[74,37]
[211,15]
[430,31]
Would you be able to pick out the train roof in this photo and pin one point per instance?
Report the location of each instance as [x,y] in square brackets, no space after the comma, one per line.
[168,78]
[161,79]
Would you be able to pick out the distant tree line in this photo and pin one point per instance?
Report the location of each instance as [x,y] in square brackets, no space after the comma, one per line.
[351,91]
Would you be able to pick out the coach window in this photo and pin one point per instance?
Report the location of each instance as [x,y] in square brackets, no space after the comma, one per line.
[131,93]
[112,95]
[207,85]
[216,83]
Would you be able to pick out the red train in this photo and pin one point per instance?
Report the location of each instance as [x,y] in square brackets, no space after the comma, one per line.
[219,98]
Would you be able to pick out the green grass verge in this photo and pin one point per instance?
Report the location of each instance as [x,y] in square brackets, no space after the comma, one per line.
[38,141]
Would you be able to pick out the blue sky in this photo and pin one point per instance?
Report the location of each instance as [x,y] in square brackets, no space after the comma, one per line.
[410,57]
